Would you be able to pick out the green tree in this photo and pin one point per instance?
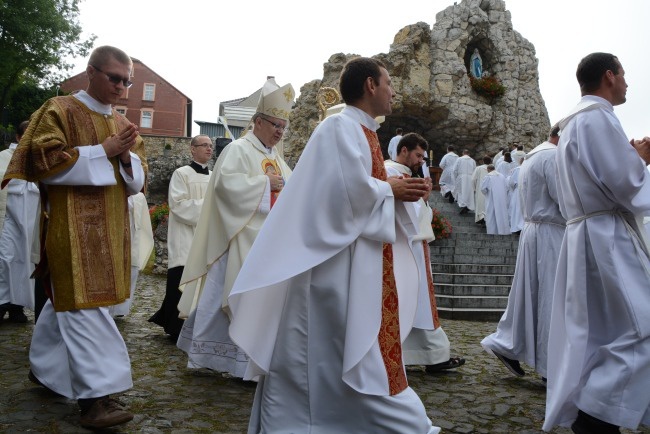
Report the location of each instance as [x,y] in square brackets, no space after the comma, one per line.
[36,38]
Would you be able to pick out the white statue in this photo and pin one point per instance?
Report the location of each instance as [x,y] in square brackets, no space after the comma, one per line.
[476,64]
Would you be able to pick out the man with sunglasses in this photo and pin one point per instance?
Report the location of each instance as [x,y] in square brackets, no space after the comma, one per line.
[88,159]
[187,189]
[246,182]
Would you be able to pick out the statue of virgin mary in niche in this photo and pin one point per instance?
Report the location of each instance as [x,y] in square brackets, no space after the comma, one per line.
[476,64]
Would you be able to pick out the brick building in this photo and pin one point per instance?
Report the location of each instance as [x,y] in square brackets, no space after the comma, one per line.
[152,103]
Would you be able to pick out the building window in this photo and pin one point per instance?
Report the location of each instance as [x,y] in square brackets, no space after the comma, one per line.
[149,92]
[121,110]
[146,119]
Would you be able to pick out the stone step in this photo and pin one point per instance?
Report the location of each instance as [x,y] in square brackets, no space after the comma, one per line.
[471,302]
[474,259]
[472,271]
[469,268]
[461,249]
[504,243]
[472,279]
[483,236]
[469,291]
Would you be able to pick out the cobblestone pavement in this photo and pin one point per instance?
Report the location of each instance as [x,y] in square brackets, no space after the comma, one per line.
[480,397]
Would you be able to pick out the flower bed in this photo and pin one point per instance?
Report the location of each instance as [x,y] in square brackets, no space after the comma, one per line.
[441,225]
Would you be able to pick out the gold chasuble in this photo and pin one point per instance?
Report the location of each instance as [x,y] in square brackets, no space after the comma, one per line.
[87,251]
[390,345]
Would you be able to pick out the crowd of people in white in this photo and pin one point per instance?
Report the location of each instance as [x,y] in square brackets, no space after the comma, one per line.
[490,190]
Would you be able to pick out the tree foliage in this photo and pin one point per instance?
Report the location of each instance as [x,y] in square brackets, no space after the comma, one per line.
[37,37]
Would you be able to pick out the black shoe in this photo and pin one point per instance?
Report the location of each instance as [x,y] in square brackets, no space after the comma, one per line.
[464,210]
[16,315]
[448,194]
[586,424]
[512,365]
[452,363]
[451,198]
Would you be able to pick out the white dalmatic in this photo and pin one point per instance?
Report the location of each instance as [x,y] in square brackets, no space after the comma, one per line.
[463,188]
[447,177]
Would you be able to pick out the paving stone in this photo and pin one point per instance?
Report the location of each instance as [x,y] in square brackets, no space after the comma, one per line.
[167,397]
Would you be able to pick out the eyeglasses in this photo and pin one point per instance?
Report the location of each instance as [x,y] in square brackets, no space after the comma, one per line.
[203,145]
[115,79]
[278,127]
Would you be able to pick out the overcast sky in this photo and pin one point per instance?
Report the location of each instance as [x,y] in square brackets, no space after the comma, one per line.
[215,51]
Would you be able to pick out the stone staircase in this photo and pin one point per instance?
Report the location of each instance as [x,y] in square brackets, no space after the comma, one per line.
[472,271]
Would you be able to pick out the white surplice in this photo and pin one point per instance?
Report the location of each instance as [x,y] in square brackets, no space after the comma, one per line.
[599,339]
[447,177]
[516,217]
[187,190]
[463,187]
[494,188]
[522,332]
[479,197]
[16,238]
[307,303]
[141,247]
[236,204]
[426,344]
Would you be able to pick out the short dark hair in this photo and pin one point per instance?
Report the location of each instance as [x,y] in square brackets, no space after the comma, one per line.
[411,141]
[487,160]
[195,139]
[22,127]
[398,131]
[450,148]
[354,75]
[593,67]
[520,147]
[555,131]
[490,167]
[507,157]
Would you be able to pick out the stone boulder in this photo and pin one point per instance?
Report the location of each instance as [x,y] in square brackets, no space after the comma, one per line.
[429,71]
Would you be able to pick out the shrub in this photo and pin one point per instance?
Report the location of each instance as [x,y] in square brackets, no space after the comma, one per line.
[440,224]
[489,86]
[158,213]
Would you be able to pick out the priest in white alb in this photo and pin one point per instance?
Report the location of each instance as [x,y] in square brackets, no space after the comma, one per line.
[245,183]
[599,338]
[522,332]
[447,176]
[427,343]
[463,189]
[479,197]
[495,190]
[328,291]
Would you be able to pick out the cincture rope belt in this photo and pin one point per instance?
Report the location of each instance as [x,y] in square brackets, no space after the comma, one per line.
[639,244]
[541,222]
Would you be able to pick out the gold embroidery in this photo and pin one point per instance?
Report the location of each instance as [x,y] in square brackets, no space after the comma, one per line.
[87,240]
[389,332]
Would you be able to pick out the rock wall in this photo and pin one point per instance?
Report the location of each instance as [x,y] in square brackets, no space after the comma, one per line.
[429,71]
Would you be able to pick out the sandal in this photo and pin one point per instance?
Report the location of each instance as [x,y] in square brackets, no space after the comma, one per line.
[452,363]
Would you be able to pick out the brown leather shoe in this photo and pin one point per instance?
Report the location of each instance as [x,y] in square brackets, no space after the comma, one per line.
[104,413]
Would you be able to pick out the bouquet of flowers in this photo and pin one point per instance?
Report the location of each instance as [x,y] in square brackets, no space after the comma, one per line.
[488,86]
[158,213]
[440,224]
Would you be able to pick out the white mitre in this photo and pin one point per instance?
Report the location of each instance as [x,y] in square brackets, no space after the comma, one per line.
[276,101]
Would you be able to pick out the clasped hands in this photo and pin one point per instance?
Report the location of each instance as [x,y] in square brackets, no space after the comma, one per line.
[121,143]
[642,147]
[409,189]
[277,182]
